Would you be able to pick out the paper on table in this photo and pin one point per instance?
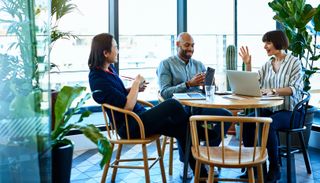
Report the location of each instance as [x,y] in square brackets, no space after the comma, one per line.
[268,97]
[233,97]
[189,96]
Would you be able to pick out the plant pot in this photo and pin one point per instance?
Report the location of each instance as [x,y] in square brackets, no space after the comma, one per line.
[62,163]
[308,123]
[295,142]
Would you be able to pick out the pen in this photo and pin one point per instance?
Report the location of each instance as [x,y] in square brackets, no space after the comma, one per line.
[127,77]
[130,78]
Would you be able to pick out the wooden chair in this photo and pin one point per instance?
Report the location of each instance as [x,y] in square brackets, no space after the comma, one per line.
[114,138]
[165,142]
[226,156]
[287,150]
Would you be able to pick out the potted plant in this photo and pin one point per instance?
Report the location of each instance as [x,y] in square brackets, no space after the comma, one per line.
[301,22]
[59,9]
[62,148]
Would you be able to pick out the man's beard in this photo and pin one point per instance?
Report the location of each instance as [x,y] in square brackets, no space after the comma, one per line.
[185,55]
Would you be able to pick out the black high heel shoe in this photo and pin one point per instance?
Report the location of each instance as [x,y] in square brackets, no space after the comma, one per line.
[273,175]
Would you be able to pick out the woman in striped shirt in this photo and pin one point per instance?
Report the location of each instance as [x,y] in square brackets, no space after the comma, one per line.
[281,75]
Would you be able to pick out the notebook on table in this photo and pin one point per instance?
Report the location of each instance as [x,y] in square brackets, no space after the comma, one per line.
[189,96]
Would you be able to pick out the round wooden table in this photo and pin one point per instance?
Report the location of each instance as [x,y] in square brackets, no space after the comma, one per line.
[227,102]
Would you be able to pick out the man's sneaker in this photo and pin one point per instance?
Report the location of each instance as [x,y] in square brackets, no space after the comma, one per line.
[244,175]
[190,172]
[216,170]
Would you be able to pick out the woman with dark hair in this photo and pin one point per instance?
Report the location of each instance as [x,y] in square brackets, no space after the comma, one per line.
[168,118]
[281,75]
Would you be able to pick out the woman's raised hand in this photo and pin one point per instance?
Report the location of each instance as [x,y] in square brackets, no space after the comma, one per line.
[245,55]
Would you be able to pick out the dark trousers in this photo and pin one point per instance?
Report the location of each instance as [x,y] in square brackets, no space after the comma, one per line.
[170,119]
[214,134]
[280,120]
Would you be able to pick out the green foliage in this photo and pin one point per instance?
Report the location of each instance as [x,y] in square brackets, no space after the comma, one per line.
[63,113]
[301,23]
[60,8]
[231,61]
[19,67]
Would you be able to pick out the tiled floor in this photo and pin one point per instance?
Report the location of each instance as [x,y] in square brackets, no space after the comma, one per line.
[86,168]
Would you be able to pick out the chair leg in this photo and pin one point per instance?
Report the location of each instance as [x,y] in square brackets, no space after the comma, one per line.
[260,173]
[210,174]
[171,156]
[145,162]
[305,153]
[197,172]
[279,150]
[251,175]
[163,174]
[164,143]
[106,168]
[289,155]
[115,169]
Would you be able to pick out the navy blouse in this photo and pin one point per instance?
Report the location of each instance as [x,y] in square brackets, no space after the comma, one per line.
[110,89]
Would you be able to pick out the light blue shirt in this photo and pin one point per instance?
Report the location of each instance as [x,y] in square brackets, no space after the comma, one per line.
[173,73]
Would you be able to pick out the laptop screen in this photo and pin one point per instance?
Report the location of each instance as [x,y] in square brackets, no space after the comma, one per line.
[244,83]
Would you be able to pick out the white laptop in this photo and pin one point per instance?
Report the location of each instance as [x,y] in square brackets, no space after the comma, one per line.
[244,83]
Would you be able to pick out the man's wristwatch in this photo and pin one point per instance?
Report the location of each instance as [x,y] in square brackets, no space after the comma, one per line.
[187,85]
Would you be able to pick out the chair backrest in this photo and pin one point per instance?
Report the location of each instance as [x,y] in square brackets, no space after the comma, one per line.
[112,126]
[225,154]
[300,110]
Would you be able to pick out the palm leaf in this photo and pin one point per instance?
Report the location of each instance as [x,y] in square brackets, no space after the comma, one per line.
[64,100]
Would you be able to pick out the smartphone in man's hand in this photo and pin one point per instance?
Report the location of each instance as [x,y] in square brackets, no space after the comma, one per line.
[209,79]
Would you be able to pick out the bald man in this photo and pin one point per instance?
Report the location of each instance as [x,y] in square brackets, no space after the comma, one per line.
[181,73]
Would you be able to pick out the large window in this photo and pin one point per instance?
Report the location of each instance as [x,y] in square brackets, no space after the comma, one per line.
[71,56]
[146,38]
[212,25]
[251,27]
[147,35]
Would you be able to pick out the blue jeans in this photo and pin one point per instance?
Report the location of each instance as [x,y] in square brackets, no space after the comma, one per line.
[213,134]
[280,120]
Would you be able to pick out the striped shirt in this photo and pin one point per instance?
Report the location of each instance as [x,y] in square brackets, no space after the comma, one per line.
[290,74]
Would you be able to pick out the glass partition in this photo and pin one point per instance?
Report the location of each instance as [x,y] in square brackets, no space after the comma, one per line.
[24,94]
